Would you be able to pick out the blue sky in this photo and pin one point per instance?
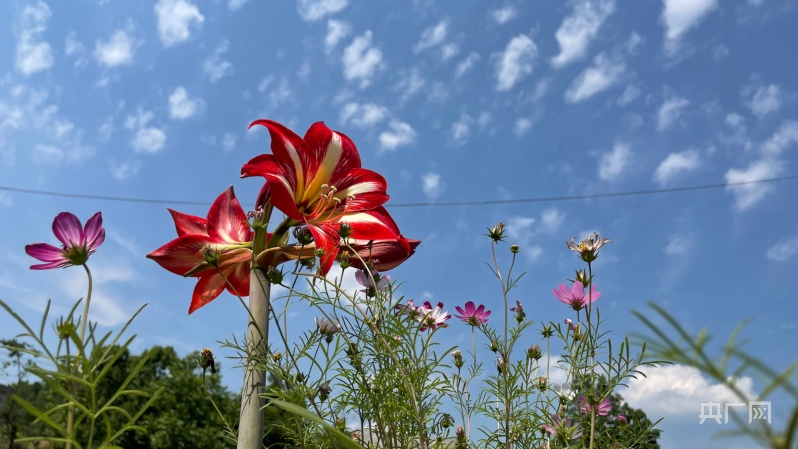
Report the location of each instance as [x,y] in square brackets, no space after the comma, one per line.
[451,102]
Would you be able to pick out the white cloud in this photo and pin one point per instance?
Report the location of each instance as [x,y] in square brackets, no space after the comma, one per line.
[466,64]
[312,10]
[431,184]
[764,100]
[180,106]
[681,15]
[520,230]
[552,220]
[175,19]
[116,51]
[783,138]
[363,115]
[47,154]
[124,170]
[679,390]
[783,250]
[5,199]
[581,27]
[336,30]
[604,72]
[400,134]
[146,139]
[516,62]
[432,36]
[747,195]
[228,142]
[504,15]
[522,125]
[612,164]
[235,5]
[678,245]
[410,83]
[674,164]
[33,54]
[71,44]
[629,94]
[669,112]
[214,66]
[461,129]
[361,61]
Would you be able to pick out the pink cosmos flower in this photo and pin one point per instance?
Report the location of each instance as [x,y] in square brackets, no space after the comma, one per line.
[576,297]
[563,428]
[472,315]
[602,409]
[378,283]
[78,243]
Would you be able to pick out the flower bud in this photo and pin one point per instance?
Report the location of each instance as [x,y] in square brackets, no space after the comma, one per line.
[496,233]
[324,391]
[514,249]
[206,361]
[501,365]
[534,352]
[300,378]
[277,356]
[340,423]
[447,421]
[303,235]
[318,252]
[494,345]
[458,359]
[356,435]
[543,383]
[343,259]
[547,332]
[622,421]
[274,276]
[65,329]
[344,230]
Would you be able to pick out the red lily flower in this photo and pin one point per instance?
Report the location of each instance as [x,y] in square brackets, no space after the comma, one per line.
[318,181]
[221,240]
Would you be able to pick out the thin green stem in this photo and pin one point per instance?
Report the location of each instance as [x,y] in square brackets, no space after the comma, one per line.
[86,307]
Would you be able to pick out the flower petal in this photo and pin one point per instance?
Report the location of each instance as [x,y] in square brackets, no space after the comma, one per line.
[94,233]
[227,220]
[366,186]
[290,153]
[332,156]
[207,289]
[182,254]
[386,254]
[189,224]
[326,238]
[67,229]
[374,224]
[46,253]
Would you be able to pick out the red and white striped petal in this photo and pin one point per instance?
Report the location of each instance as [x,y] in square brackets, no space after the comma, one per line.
[366,186]
[182,254]
[375,224]
[186,224]
[227,220]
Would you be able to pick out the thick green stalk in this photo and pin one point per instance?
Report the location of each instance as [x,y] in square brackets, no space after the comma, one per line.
[250,430]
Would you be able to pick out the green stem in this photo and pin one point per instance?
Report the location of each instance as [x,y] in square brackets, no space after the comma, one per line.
[86,307]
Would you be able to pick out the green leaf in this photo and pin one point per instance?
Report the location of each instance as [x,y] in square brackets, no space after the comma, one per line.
[308,415]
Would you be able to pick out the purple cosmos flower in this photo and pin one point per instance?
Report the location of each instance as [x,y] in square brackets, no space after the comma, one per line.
[622,421]
[473,315]
[576,297]
[602,409]
[563,427]
[519,311]
[77,243]
[373,282]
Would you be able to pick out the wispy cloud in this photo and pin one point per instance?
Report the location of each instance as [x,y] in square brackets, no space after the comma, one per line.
[613,163]
[363,115]
[313,10]
[181,106]
[33,53]
[146,139]
[235,5]
[432,36]
[679,16]
[674,164]
[399,134]
[678,245]
[215,67]
[122,170]
[336,31]
[431,185]
[579,28]
[669,112]
[504,15]
[361,60]
[117,50]
[176,19]
[461,129]
[763,100]
[630,93]
[603,74]
[783,251]
[466,64]
[515,62]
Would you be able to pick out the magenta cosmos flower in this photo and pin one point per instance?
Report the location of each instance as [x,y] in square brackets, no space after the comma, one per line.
[564,428]
[472,314]
[602,409]
[78,243]
[576,297]
[431,318]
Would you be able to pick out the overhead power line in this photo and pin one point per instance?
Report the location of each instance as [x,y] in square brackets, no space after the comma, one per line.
[420,204]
